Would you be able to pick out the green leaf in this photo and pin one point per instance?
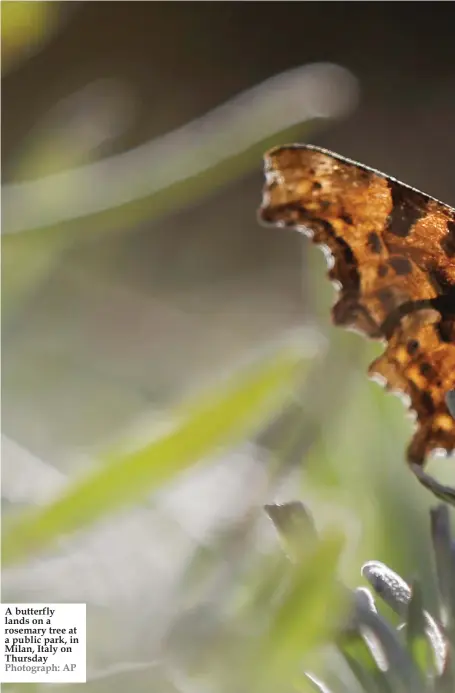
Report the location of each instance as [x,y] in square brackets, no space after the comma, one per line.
[294,526]
[222,417]
[306,617]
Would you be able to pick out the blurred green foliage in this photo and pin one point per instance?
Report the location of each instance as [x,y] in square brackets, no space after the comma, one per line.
[25,25]
[347,447]
[125,479]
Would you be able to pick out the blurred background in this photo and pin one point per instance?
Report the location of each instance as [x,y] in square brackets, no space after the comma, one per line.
[135,276]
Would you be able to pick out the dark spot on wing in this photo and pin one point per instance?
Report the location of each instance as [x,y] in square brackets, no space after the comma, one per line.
[412,347]
[383,270]
[401,265]
[287,214]
[445,304]
[408,207]
[374,242]
[445,330]
[351,278]
[346,218]
[426,368]
[448,242]
[348,311]
[427,401]
[386,297]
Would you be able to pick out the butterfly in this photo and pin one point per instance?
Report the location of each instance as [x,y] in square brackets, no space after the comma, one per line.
[391,253]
